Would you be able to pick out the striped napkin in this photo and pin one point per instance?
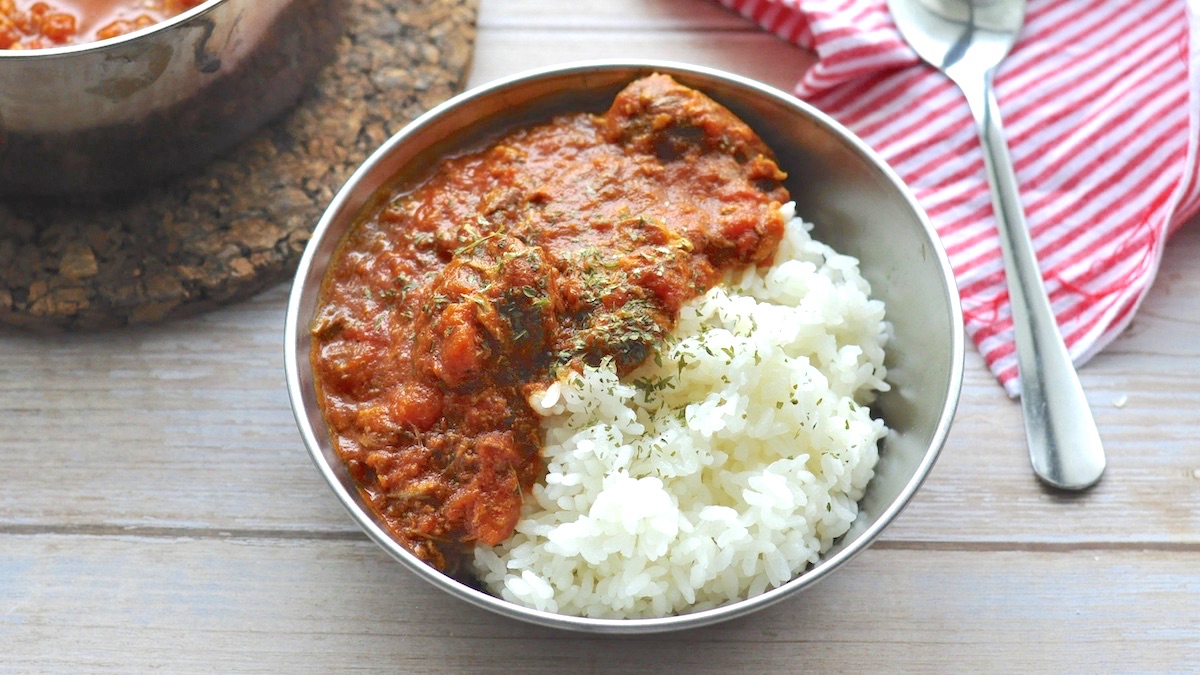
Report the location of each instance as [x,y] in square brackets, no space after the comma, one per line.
[1101,105]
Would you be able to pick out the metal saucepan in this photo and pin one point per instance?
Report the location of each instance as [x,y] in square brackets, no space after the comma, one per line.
[121,113]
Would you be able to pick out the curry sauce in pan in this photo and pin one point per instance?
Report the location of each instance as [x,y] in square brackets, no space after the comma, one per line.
[37,25]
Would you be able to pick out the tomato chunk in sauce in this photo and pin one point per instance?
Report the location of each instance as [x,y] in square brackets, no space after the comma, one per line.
[36,25]
[563,244]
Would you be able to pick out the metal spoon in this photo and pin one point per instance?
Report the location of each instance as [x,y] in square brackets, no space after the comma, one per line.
[967,40]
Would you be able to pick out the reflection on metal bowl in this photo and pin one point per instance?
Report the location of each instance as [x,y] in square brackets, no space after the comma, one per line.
[123,113]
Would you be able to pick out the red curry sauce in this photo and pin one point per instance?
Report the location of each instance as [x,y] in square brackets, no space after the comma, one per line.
[37,25]
[562,244]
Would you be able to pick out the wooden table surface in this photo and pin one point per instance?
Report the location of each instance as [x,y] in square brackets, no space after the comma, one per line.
[159,512]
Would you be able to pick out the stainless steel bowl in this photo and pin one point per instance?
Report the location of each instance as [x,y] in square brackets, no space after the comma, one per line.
[121,113]
[861,208]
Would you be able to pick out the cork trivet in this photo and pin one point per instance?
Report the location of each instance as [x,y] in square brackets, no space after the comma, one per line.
[241,224]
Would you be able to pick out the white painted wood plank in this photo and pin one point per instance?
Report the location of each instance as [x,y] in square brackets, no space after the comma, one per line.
[629,15]
[181,425]
[753,54]
[132,604]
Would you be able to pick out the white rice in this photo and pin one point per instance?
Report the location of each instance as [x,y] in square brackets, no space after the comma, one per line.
[724,466]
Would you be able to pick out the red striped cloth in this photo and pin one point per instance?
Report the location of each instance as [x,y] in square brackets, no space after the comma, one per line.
[1100,103]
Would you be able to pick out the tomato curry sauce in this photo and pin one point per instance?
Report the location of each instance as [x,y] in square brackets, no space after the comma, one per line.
[37,25]
[562,244]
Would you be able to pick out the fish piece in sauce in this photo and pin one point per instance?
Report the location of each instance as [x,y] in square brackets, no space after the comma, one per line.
[566,243]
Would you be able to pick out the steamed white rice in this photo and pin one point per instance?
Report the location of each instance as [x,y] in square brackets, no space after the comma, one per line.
[721,468]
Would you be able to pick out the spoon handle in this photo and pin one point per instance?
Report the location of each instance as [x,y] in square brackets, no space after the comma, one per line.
[1064,444]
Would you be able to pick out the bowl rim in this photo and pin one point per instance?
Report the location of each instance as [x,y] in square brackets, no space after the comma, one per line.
[63,51]
[813,574]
